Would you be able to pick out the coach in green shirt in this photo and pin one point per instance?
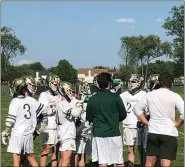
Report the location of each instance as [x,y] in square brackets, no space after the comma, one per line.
[105,110]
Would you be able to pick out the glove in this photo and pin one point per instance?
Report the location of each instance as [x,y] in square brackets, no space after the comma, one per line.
[5,137]
[139,124]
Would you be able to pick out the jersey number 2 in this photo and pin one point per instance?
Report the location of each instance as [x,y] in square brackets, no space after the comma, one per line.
[28,113]
[129,106]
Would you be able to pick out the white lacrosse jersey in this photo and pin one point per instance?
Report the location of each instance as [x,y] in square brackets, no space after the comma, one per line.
[23,111]
[162,104]
[130,101]
[67,128]
[84,130]
[48,99]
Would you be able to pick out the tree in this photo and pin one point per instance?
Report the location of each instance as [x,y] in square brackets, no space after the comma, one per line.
[128,54]
[11,47]
[152,47]
[175,27]
[66,71]
[37,66]
[100,67]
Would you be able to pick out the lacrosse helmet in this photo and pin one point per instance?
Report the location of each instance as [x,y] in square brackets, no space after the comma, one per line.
[22,85]
[84,88]
[135,83]
[53,82]
[67,90]
[153,82]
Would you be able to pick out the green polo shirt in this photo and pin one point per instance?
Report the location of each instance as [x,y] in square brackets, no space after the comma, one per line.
[105,110]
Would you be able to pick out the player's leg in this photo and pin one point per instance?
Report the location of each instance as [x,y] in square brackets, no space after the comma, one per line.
[28,147]
[54,157]
[131,157]
[152,150]
[32,160]
[150,161]
[74,160]
[66,148]
[16,160]
[15,147]
[169,154]
[82,159]
[129,136]
[65,158]
[44,154]
[81,144]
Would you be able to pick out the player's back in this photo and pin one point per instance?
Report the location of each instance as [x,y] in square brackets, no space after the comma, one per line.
[24,111]
[67,125]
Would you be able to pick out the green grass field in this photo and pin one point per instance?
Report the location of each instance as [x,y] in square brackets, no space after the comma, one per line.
[6,158]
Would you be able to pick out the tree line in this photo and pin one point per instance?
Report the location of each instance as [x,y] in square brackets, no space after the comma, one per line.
[136,53]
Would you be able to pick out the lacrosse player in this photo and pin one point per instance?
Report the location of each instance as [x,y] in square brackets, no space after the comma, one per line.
[83,129]
[162,127]
[48,123]
[105,110]
[130,98]
[68,109]
[152,84]
[22,120]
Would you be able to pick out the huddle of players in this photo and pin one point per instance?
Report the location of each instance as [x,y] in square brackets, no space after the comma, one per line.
[61,117]
[60,102]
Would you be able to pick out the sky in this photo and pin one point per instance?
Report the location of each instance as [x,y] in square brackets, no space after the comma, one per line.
[87,34]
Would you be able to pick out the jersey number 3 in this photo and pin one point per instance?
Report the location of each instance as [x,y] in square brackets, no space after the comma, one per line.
[28,113]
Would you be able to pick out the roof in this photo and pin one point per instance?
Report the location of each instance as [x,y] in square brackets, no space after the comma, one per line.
[93,71]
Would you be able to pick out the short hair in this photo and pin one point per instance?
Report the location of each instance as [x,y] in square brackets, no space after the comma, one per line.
[104,79]
[165,80]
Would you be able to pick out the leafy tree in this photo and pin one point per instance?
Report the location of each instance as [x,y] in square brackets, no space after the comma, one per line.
[66,71]
[37,66]
[152,47]
[175,27]
[100,67]
[11,47]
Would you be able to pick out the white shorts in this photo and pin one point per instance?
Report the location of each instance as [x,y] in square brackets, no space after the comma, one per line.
[49,137]
[130,136]
[107,150]
[84,145]
[19,143]
[67,145]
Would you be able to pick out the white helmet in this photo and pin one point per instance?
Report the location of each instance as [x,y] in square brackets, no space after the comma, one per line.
[67,90]
[27,84]
[135,83]
[52,82]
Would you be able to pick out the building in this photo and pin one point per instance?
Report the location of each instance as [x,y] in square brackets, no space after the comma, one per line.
[40,77]
[88,74]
